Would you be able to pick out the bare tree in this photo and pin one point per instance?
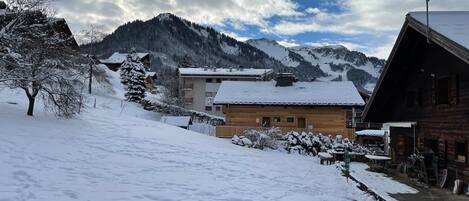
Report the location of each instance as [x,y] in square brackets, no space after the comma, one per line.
[37,58]
[91,35]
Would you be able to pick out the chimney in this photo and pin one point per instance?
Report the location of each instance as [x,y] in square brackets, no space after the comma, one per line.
[231,69]
[285,79]
[214,69]
[241,68]
[205,68]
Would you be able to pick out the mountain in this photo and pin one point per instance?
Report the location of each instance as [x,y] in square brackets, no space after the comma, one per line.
[176,42]
[335,63]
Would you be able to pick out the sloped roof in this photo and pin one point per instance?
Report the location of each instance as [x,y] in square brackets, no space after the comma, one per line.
[452,24]
[187,72]
[176,120]
[118,58]
[301,93]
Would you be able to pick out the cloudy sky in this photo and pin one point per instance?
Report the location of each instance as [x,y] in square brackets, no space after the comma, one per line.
[370,26]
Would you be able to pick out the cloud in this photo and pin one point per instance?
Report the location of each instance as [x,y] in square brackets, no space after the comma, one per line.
[360,17]
[112,13]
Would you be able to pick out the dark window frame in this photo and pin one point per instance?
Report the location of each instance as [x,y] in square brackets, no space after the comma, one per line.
[460,149]
[266,122]
[209,80]
[208,108]
[290,119]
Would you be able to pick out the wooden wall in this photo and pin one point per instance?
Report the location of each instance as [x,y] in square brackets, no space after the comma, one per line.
[326,120]
[448,124]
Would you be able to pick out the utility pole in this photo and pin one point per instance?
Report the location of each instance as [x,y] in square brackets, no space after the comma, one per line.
[428,23]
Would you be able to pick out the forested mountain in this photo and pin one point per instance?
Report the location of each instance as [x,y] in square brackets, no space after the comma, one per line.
[175,42]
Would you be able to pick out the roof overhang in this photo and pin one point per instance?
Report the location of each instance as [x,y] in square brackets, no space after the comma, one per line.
[435,37]
[443,41]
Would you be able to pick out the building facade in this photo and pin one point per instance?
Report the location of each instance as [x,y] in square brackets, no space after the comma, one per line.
[423,94]
[199,86]
[319,107]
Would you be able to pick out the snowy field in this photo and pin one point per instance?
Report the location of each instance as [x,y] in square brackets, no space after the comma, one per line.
[118,151]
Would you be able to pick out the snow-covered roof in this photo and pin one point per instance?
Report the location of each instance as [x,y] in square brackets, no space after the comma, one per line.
[118,58]
[301,93]
[452,24]
[374,133]
[251,72]
[176,120]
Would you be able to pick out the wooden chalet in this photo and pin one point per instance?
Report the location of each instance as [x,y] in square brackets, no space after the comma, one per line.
[422,95]
[320,107]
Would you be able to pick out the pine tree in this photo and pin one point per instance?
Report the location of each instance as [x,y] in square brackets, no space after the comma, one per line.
[127,67]
[133,77]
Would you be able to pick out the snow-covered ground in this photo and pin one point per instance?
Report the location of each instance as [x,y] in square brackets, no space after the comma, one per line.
[117,151]
[378,182]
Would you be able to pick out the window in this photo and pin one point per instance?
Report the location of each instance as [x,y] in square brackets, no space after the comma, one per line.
[349,118]
[218,80]
[277,119]
[290,119]
[301,122]
[461,151]
[442,91]
[208,80]
[208,108]
[265,121]
[410,98]
[218,108]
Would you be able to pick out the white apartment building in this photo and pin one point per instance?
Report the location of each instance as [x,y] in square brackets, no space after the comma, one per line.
[198,86]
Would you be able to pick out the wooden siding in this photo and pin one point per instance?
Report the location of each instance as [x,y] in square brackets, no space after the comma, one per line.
[326,120]
[415,68]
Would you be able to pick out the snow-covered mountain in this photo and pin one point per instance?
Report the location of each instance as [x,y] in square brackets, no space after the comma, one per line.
[336,62]
[176,42]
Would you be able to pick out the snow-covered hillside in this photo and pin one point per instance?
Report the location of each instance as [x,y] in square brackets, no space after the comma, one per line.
[275,50]
[117,151]
[336,62]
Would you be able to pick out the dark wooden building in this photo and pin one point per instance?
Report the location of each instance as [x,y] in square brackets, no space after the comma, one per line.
[423,92]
